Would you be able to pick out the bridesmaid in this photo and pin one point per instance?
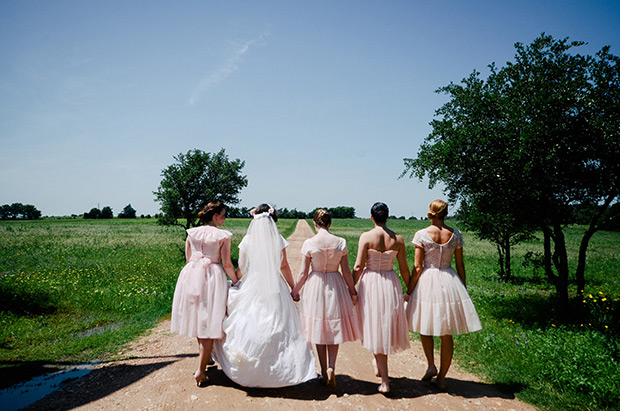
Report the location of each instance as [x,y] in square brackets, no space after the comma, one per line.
[439,304]
[328,316]
[381,303]
[199,303]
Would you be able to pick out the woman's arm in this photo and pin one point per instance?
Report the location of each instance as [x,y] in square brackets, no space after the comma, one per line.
[229,268]
[403,266]
[348,277]
[460,264]
[417,268]
[285,269]
[360,261]
[188,250]
[303,276]
[242,264]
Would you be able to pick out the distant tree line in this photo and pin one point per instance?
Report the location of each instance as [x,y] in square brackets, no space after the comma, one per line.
[336,212]
[19,211]
[106,213]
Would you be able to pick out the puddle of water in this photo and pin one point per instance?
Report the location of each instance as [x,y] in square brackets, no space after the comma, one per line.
[26,393]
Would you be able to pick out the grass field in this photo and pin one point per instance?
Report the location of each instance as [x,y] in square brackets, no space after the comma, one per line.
[77,290]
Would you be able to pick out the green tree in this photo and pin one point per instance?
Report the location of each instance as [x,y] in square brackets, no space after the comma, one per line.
[106,212]
[94,213]
[128,212]
[193,181]
[534,143]
[19,211]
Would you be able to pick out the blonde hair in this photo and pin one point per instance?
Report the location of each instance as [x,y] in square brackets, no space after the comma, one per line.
[322,218]
[437,209]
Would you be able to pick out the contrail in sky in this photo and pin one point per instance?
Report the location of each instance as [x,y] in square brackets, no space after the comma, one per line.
[229,66]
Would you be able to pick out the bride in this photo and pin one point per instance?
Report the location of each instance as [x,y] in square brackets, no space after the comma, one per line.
[264,346]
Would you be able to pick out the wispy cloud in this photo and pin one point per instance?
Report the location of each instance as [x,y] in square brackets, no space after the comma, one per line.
[225,69]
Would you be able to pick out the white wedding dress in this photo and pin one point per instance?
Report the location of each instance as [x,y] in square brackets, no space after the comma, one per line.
[264,345]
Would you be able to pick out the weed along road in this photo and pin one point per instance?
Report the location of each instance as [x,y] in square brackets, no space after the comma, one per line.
[156,373]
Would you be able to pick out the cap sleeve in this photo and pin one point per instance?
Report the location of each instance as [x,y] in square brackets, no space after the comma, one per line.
[343,246]
[283,242]
[306,247]
[417,239]
[225,234]
[459,238]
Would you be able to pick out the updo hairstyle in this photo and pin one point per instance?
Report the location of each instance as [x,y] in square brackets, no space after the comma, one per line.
[322,218]
[206,215]
[264,208]
[379,212]
[437,209]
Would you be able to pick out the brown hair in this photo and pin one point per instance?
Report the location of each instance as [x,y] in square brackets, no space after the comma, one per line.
[437,209]
[206,215]
[263,208]
[322,218]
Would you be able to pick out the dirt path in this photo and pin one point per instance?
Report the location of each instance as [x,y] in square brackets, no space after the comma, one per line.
[156,374]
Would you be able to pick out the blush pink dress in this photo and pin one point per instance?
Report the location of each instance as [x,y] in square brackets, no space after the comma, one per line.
[199,303]
[381,305]
[440,304]
[327,313]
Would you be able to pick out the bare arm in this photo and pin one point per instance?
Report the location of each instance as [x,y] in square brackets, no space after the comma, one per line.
[303,276]
[188,250]
[460,264]
[242,264]
[417,269]
[285,269]
[229,268]
[360,261]
[348,277]
[403,266]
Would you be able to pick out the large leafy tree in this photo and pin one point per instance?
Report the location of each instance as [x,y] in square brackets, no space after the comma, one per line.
[529,147]
[195,179]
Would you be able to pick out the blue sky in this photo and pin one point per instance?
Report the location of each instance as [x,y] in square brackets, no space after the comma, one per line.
[322,99]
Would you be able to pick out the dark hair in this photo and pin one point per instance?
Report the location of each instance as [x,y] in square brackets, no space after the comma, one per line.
[206,215]
[264,208]
[322,218]
[379,212]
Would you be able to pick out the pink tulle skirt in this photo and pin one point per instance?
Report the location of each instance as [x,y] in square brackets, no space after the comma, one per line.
[382,311]
[199,303]
[440,305]
[327,312]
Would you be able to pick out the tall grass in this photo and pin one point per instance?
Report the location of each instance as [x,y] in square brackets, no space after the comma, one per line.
[75,290]
[522,346]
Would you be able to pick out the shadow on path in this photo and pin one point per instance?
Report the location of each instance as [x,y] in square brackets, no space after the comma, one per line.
[401,388]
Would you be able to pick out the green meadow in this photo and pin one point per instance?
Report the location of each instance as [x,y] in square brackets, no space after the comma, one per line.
[74,290]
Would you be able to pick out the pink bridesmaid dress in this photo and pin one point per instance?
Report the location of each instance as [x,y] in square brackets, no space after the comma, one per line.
[440,304]
[381,305]
[199,303]
[327,312]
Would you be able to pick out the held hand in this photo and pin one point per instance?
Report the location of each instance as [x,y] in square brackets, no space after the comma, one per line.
[354,299]
[295,297]
[406,297]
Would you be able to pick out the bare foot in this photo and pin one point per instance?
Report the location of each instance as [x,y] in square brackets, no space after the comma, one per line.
[376,368]
[331,378]
[430,373]
[201,378]
[384,388]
